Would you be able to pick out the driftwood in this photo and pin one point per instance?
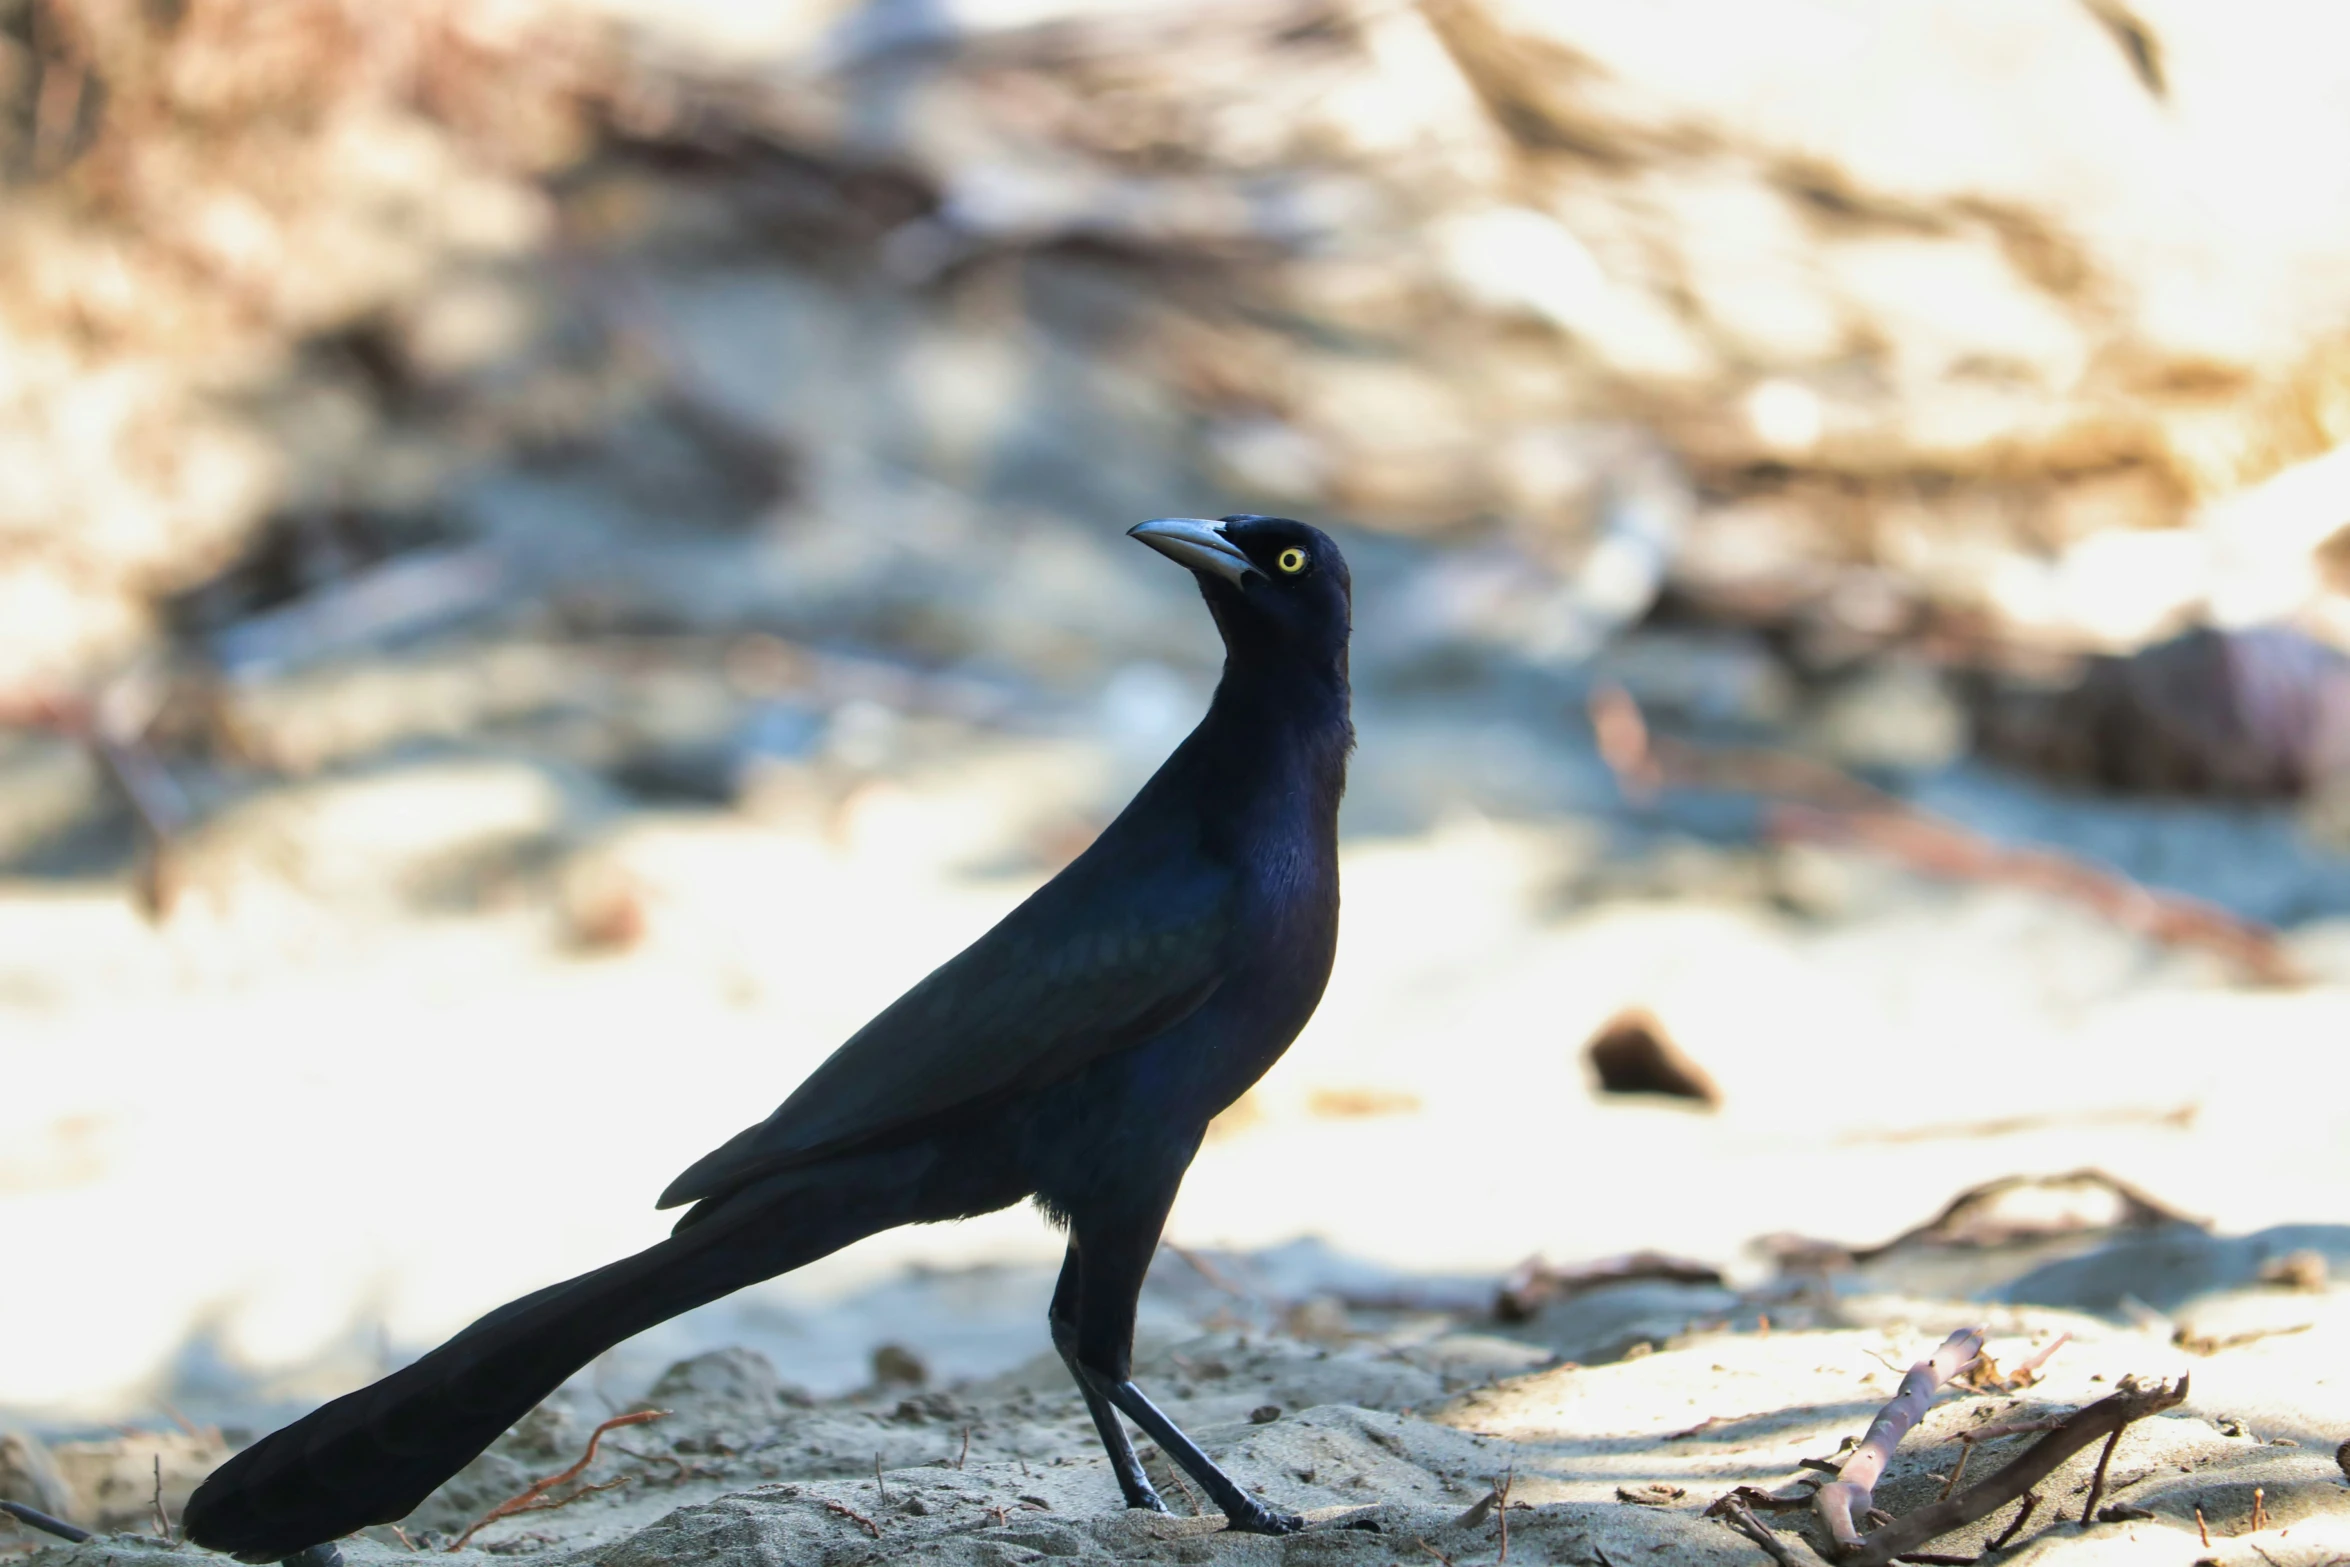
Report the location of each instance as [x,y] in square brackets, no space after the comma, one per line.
[1843,1501]
[2127,1404]
[1534,1282]
[1943,848]
[1816,803]
[1848,1497]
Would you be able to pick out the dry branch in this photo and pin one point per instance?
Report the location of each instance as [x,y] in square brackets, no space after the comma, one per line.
[2105,1418]
[2023,1515]
[529,1500]
[1816,803]
[855,1517]
[1850,1492]
[1942,848]
[2097,1483]
[1787,1550]
[1534,1283]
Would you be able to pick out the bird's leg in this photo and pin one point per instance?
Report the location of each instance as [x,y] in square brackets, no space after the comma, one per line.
[1112,1266]
[1242,1512]
[1063,1314]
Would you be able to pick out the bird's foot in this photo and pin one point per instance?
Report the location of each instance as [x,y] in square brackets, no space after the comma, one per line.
[1257,1518]
[1146,1500]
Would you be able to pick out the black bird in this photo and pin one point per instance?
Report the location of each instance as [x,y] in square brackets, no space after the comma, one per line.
[1074,1055]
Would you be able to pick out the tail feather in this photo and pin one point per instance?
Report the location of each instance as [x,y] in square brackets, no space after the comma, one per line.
[372,1456]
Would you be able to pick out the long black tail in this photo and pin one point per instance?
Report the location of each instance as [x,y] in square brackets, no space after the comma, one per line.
[374,1455]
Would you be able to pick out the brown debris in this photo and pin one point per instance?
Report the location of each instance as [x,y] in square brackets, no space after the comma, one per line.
[1986,1377]
[2252,714]
[1632,1054]
[533,1498]
[1536,1283]
[1944,849]
[1816,803]
[2296,1270]
[1975,1217]
[853,1516]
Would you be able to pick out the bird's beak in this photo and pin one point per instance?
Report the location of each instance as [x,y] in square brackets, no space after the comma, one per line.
[1196,543]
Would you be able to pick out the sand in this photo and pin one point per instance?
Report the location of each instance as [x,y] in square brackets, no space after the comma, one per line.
[1387,1426]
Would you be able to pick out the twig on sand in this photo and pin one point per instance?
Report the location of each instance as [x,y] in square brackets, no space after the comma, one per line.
[1850,1492]
[1968,1440]
[34,1518]
[1786,1549]
[1501,1505]
[2023,1515]
[162,1518]
[530,1500]
[1433,1551]
[858,1518]
[1816,803]
[2127,1404]
[2097,1481]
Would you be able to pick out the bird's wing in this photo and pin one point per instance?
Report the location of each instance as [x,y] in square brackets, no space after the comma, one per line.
[1102,957]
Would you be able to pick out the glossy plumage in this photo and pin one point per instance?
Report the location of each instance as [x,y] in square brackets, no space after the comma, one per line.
[1074,1055]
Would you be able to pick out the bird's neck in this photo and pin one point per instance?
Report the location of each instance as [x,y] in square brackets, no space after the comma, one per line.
[1284,716]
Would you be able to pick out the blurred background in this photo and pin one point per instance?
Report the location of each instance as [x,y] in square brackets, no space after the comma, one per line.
[554,554]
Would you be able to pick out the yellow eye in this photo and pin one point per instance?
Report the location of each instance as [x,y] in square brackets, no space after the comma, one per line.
[1291,561]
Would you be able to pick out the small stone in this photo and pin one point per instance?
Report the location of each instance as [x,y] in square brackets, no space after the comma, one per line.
[2296,1270]
[1633,1055]
[898,1364]
[1322,1319]
[1264,1414]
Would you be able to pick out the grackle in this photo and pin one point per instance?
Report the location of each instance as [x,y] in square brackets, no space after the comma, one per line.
[1074,1055]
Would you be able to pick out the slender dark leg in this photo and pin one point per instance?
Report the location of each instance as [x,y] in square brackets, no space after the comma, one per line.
[1111,1262]
[1131,1480]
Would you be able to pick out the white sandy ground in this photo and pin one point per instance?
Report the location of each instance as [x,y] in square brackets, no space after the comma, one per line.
[282,1111]
[1608,1465]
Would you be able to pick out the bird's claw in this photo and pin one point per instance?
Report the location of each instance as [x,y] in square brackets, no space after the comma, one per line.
[1149,1501]
[1257,1518]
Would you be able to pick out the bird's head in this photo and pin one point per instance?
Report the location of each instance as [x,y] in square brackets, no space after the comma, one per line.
[1279,589]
